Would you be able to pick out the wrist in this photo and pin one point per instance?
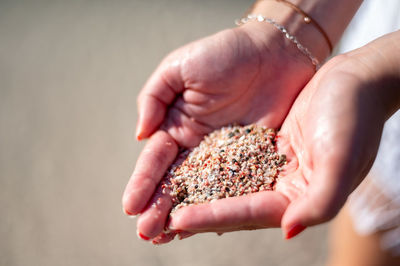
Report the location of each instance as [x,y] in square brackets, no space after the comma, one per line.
[323,12]
[306,34]
[304,50]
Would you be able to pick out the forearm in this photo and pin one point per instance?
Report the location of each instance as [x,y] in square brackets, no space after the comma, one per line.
[332,16]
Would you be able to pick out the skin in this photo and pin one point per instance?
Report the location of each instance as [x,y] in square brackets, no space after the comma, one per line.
[329,150]
[349,248]
[199,92]
[217,81]
[223,78]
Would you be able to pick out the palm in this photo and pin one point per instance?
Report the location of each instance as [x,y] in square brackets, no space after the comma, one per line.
[223,79]
[323,168]
[219,80]
[332,136]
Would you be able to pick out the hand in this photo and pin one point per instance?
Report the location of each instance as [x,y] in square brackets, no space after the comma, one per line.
[233,76]
[334,129]
[330,137]
[246,75]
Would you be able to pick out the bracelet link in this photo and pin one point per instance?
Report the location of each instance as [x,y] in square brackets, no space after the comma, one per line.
[293,39]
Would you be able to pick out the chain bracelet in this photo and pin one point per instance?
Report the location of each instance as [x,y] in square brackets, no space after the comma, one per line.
[293,39]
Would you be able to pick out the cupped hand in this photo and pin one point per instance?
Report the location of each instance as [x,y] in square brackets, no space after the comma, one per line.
[234,76]
[243,75]
[333,130]
[330,137]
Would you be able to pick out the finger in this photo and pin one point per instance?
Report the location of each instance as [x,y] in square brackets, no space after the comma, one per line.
[164,238]
[159,152]
[322,200]
[151,113]
[214,112]
[157,94]
[186,131]
[184,235]
[257,210]
[152,220]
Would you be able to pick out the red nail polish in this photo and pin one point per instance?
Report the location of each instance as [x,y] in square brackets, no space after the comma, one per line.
[184,235]
[143,236]
[128,213]
[295,230]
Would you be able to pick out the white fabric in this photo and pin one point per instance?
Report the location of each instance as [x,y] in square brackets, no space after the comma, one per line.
[386,169]
[374,19]
[376,206]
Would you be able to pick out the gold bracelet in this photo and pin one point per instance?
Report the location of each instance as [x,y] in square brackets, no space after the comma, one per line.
[309,20]
[293,39]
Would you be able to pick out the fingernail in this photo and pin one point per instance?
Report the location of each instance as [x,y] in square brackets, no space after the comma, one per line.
[140,235]
[295,230]
[138,129]
[183,235]
[127,212]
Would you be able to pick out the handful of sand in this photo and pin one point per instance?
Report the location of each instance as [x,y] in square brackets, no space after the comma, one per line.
[229,162]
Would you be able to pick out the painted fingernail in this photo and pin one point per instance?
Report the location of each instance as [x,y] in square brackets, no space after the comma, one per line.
[128,213]
[138,129]
[183,235]
[295,230]
[140,235]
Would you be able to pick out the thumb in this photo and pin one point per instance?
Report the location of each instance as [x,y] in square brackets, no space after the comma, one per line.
[322,200]
[157,94]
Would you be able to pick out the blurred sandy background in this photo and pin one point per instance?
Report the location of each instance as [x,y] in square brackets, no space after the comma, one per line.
[70,72]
